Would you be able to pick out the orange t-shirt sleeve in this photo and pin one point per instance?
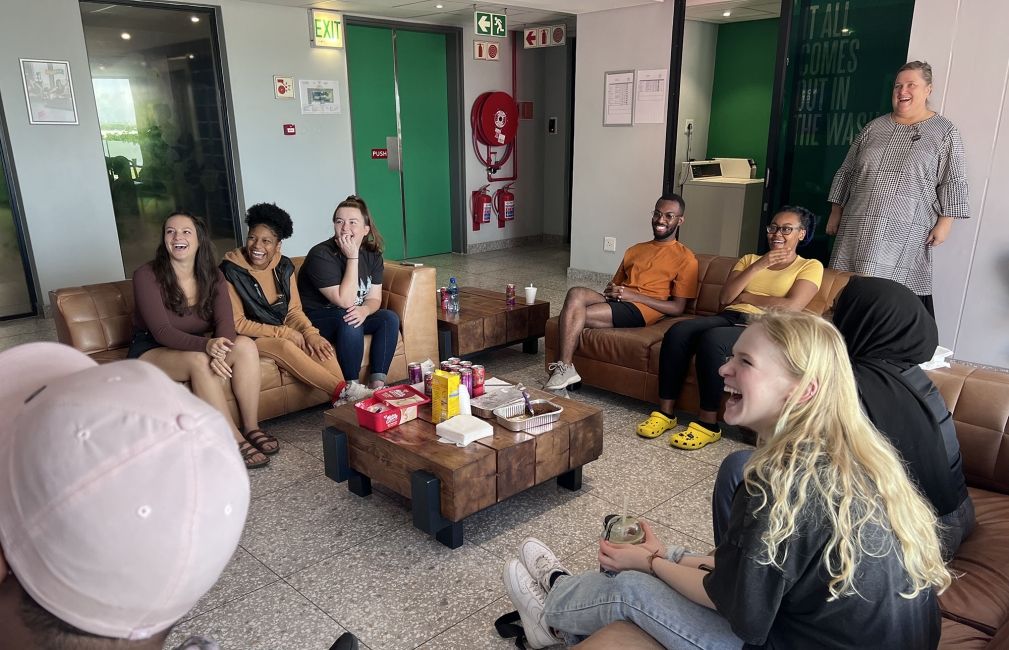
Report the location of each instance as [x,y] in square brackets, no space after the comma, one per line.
[685,283]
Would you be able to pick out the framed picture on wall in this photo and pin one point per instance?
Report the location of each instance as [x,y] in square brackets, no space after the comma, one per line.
[49,92]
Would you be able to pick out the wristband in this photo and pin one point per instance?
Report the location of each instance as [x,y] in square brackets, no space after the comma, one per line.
[351,258]
[651,561]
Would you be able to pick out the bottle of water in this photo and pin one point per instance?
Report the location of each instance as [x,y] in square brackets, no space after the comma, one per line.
[453,295]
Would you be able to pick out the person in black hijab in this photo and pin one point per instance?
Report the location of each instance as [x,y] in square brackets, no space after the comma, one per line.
[888,332]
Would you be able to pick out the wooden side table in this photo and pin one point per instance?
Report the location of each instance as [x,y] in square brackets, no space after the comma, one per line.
[484,321]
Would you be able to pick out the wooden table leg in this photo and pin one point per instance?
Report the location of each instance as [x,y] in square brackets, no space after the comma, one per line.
[571,479]
[531,345]
[337,462]
[425,502]
[444,345]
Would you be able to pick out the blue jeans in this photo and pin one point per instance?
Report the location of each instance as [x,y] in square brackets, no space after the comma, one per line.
[579,605]
[348,341]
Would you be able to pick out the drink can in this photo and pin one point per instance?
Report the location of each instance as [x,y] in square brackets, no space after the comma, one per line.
[479,376]
[446,365]
[510,295]
[455,367]
[466,364]
[443,298]
[416,372]
[454,360]
[427,382]
[466,375]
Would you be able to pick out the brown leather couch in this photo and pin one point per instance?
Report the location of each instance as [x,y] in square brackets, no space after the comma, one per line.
[975,608]
[626,360]
[98,320]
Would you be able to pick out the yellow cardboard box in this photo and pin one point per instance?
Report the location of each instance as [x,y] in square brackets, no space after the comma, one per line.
[444,395]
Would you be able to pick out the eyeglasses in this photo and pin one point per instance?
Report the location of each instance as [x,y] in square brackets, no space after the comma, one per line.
[773,228]
[669,215]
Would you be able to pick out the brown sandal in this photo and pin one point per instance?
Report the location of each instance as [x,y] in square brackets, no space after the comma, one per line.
[263,441]
[249,455]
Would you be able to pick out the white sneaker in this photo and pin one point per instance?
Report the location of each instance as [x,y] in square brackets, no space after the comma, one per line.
[528,598]
[540,561]
[355,392]
[562,375]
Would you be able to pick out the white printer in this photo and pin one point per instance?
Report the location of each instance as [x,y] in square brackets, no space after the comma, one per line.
[723,206]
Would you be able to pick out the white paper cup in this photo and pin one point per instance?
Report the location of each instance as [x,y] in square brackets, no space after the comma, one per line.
[530,295]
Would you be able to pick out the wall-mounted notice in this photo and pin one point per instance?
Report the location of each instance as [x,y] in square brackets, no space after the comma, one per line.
[618,102]
[319,97]
[650,97]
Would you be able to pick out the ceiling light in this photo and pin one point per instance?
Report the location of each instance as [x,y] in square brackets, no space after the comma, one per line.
[195,19]
[439,6]
[845,30]
[192,56]
[726,13]
[125,36]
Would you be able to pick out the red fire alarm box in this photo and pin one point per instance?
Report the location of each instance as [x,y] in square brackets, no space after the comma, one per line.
[289,129]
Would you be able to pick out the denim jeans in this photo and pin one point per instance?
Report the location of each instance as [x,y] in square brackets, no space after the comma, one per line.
[579,605]
[348,341]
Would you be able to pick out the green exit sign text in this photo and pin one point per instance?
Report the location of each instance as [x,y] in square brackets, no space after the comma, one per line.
[488,24]
[325,28]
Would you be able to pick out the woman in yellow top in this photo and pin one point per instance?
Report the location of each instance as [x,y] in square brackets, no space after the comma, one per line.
[779,278]
[267,306]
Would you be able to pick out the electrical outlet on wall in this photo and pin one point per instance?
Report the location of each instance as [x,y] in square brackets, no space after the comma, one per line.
[688,126]
[610,244]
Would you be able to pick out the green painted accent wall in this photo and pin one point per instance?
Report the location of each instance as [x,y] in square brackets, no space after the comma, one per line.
[741,91]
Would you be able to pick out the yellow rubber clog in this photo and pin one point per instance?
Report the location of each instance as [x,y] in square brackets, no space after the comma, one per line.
[694,437]
[656,425]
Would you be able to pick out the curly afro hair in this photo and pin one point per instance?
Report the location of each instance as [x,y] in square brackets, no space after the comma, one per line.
[269,215]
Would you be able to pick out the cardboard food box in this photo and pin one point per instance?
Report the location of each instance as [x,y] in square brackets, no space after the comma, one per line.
[389,407]
[444,395]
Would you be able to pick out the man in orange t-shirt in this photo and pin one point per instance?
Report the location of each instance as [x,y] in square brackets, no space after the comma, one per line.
[655,279]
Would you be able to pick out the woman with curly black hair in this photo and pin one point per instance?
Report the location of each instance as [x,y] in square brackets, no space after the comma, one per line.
[267,305]
[779,278]
[180,296]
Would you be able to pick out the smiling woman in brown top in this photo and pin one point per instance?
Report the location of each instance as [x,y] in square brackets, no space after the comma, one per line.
[180,296]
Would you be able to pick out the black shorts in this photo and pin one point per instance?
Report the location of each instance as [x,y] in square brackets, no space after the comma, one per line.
[626,314]
[143,341]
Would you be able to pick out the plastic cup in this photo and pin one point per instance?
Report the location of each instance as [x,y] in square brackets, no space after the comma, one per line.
[530,295]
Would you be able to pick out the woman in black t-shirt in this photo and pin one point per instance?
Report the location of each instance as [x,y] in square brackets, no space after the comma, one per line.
[829,544]
[341,291]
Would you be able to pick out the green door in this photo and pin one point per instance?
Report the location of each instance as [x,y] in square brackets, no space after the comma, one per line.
[409,191]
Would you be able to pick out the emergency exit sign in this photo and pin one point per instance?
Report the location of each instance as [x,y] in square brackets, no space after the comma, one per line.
[488,24]
[325,28]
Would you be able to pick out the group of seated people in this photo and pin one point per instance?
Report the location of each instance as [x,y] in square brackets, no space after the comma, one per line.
[312,323]
[835,531]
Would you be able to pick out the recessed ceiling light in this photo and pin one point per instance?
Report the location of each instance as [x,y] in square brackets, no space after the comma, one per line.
[726,13]
[439,6]
[845,30]
[195,19]
[125,36]
[192,56]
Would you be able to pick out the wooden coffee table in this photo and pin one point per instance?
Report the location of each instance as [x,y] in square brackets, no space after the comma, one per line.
[484,321]
[446,483]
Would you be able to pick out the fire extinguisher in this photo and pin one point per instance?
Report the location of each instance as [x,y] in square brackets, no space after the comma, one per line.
[504,205]
[481,207]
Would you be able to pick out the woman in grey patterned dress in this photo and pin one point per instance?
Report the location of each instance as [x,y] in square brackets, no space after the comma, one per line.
[901,185]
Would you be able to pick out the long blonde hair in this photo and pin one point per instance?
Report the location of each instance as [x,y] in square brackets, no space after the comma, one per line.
[825,450]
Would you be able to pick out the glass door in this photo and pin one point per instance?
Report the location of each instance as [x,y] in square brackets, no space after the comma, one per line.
[17,297]
[157,79]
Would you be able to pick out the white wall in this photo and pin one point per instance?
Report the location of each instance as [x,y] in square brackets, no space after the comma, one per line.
[617,170]
[970,88]
[307,174]
[66,203]
[697,77]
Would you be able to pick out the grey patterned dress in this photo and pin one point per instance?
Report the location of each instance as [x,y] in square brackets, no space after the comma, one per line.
[896,180]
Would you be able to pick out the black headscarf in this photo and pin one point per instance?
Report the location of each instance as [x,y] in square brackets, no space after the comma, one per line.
[887,330]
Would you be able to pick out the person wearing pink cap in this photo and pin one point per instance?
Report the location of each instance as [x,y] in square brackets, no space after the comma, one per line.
[122,498]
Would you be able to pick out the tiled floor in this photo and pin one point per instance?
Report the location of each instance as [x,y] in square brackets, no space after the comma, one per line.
[316,560]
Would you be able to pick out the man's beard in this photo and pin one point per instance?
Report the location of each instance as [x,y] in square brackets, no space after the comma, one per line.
[670,234]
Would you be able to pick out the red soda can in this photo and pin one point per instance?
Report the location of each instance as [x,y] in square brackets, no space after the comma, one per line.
[510,295]
[416,372]
[479,376]
[428,376]
[446,365]
[466,364]
[443,298]
[454,360]
[466,379]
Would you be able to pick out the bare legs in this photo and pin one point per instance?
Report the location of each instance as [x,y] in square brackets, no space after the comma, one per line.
[583,308]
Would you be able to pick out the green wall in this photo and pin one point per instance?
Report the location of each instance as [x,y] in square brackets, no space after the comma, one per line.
[741,92]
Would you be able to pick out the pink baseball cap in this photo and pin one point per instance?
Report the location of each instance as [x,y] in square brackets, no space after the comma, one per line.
[122,494]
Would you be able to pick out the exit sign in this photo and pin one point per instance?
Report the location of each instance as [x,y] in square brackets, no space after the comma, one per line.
[489,24]
[325,28]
